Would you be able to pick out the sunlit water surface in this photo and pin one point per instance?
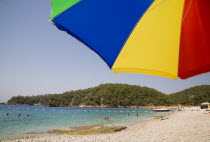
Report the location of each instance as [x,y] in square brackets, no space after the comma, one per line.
[42,119]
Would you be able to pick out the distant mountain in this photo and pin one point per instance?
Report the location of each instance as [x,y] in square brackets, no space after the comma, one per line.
[191,96]
[117,95]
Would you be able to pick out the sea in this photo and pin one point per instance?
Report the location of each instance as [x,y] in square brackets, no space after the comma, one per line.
[24,120]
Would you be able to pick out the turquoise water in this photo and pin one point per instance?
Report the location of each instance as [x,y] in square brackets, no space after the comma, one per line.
[42,119]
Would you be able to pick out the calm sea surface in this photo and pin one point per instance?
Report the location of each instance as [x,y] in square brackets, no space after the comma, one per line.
[42,119]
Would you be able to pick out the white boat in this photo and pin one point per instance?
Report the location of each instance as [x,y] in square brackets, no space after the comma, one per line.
[161,109]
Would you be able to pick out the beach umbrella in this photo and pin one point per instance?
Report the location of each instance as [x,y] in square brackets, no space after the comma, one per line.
[169,38]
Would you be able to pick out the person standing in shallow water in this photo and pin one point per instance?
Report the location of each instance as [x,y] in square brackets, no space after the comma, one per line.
[106,118]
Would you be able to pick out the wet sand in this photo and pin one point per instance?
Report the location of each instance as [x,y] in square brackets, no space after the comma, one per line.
[189,125]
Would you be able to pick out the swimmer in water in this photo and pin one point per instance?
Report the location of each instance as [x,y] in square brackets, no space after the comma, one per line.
[106,118]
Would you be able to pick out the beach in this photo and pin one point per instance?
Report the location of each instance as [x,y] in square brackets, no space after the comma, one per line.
[188,125]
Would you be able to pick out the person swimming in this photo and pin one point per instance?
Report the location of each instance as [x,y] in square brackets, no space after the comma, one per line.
[106,118]
[19,115]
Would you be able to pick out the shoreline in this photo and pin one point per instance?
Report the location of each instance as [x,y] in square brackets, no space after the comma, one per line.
[189,125]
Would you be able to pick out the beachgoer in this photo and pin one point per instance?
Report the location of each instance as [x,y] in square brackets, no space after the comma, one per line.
[106,118]
[172,110]
[137,114]
[128,114]
[7,113]
[179,107]
[27,115]
[19,115]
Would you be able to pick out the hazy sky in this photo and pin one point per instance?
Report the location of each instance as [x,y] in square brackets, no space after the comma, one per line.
[36,58]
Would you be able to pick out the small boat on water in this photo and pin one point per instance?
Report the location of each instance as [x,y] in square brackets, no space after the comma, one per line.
[161,109]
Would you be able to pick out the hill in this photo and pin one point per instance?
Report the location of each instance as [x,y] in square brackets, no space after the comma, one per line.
[117,95]
[104,95]
[191,96]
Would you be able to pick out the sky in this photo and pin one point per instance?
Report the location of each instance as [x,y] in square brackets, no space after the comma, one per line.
[36,58]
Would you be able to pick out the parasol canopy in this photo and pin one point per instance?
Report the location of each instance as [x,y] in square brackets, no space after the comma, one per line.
[169,38]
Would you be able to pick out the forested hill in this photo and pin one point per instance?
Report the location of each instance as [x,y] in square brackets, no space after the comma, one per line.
[104,95]
[191,96]
[117,95]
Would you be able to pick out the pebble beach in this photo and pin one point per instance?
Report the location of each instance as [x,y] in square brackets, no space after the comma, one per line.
[188,125]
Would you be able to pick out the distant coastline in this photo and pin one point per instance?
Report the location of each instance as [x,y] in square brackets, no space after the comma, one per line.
[3,103]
